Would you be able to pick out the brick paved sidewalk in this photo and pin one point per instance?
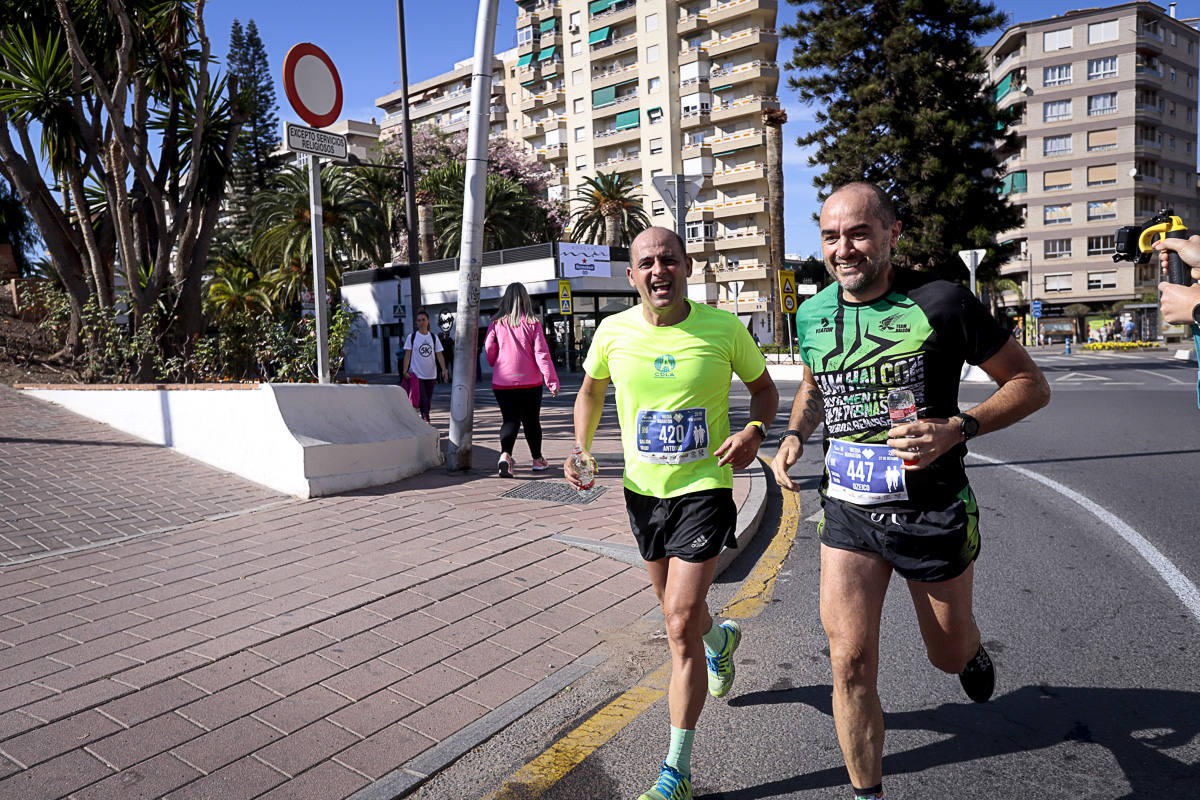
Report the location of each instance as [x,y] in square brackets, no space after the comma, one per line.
[303,650]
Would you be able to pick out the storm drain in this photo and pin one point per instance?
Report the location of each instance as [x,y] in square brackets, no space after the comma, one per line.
[554,492]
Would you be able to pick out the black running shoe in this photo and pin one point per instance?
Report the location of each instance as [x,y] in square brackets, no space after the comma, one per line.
[979,678]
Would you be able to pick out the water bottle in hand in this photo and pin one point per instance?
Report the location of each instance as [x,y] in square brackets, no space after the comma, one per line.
[902,406]
[584,468]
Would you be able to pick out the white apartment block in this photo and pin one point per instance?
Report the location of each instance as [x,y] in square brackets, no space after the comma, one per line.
[1105,102]
[445,100]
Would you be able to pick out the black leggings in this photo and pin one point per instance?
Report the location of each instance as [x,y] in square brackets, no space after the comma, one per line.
[520,407]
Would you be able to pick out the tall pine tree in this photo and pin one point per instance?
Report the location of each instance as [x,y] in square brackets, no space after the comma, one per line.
[904,104]
[253,164]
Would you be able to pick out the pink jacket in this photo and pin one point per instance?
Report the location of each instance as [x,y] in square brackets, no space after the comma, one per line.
[519,357]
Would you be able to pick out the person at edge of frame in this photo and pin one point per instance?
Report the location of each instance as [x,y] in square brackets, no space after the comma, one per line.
[1181,304]
[895,497]
[671,361]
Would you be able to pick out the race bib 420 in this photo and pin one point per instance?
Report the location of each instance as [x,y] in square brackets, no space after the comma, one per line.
[864,474]
[672,437]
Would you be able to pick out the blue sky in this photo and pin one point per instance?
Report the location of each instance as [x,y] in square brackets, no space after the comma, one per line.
[360,37]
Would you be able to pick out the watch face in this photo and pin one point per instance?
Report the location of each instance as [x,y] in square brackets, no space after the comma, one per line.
[1196,313]
[970,426]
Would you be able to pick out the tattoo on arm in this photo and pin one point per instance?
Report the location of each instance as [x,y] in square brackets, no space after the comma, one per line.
[814,411]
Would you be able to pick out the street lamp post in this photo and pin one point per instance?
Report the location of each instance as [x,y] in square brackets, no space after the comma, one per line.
[410,198]
[1032,326]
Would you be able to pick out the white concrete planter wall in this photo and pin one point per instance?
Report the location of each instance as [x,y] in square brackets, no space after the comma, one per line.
[305,440]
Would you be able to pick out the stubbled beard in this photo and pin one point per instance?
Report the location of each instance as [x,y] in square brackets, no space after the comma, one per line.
[868,271]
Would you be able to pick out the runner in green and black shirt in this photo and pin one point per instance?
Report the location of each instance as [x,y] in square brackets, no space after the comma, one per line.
[895,498]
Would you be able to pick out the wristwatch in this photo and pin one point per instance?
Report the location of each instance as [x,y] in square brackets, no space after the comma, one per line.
[1196,313]
[790,432]
[969,426]
[761,427]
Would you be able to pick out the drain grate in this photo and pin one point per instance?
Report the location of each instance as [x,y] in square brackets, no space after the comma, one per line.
[554,492]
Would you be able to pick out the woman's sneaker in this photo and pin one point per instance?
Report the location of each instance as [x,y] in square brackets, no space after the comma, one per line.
[979,678]
[540,465]
[505,467]
[671,785]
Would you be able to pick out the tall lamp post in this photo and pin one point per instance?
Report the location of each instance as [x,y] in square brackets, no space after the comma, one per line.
[1032,326]
[410,198]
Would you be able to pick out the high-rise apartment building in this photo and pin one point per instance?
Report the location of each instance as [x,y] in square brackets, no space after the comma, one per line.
[1105,108]
[445,100]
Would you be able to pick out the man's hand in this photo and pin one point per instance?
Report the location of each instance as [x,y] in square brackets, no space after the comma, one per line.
[922,442]
[572,476]
[790,450]
[1178,301]
[739,449]
[1188,250]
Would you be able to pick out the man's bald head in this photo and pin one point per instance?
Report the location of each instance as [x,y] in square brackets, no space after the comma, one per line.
[881,205]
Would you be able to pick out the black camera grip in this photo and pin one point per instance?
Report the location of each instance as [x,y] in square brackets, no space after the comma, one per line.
[1177,272]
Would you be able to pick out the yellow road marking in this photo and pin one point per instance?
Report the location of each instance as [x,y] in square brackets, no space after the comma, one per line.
[556,761]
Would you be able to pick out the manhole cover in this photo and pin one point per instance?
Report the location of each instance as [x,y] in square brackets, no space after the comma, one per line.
[554,492]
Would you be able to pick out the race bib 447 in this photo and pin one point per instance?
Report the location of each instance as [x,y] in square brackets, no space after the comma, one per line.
[864,474]
[672,437]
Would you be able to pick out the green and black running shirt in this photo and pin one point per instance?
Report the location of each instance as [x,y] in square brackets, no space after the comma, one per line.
[916,336]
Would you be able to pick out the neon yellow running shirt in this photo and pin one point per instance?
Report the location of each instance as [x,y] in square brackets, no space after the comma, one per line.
[672,387]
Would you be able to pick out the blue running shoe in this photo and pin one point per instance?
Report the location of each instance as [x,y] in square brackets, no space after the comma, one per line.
[720,665]
[671,785]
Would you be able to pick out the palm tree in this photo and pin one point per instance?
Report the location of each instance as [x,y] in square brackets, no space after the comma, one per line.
[425,233]
[507,220]
[773,120]
[607,211]
[237,290]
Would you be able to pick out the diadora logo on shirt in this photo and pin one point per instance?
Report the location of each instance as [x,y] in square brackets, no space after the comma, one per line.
[824,327]
[891,324]
[664,366]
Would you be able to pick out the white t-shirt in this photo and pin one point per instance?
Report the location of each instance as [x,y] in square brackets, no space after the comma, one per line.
[421,362]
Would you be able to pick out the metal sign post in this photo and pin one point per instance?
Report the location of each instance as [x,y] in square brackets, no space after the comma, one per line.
[787,302]
[318,248]
[972,258]
[679,192]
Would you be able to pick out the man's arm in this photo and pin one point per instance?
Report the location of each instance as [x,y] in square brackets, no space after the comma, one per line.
[442,360]
[808,410]
[589,404]
[740,448]
[1023,390]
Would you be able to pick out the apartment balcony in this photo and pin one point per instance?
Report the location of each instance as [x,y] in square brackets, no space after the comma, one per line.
[550,39]
[744,306]
[692,23]
[694,84]
[530,72]
[694,119]
[751,137]
[558,179]
[558,122]
[760,11]
[540,100]
[693,54]
[528,131]
[1147,147]
[701,246]
[1148,110]
[551,153]
[614,47]
[758,70]
[622,103]
[743,107]
[741,174]
[744,271]
[620,164]
[699,212]
[696,150]
[738,208]
[741,240]
[613,136]
[612,77]
[613,15]
[751,37]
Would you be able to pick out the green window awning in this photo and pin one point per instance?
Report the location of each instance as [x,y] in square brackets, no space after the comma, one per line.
[524,60]
[723,88]
[596,6]
[546,54]
[734,150]
[1005,86]
[604,97]
[548,25]
[599,35]
[531,81]
[1013,183]
[628,119]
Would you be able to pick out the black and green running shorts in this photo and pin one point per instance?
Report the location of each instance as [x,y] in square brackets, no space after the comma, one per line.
[920,545]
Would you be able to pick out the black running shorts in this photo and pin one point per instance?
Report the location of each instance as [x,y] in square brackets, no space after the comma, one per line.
[920,545]
[691,527]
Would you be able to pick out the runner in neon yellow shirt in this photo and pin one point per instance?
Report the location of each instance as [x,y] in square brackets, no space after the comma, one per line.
[671,362]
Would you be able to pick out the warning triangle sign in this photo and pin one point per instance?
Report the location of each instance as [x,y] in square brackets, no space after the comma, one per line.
[565,292]
[788,288]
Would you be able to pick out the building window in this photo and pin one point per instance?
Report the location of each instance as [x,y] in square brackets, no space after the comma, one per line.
[651,22]
[1174,40]
[657,209]
[652,54]
[1189,113]
[576,77]
[1102,280]
[1171,143]
[655,146]
[1056,76]
[1101,104]
[580,134]
[1102,175]
[1102,140]
[1172,74]
[1102,32]
[574,20]
[1056,145]
[1056,180]
[1060,282]
[577,105]
[580,162]
[1056,110]
[577,47]
[1101,209]
[654,115]
[1056,40]
[1102,68]
[1056,248]
[524,35]
[1056,215]
[1189,80]
[1104,245]
[652,85]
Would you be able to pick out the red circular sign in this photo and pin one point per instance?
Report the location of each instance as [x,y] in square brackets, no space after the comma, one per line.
[313,85]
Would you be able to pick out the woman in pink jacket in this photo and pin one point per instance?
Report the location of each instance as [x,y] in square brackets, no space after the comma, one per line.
[520,358]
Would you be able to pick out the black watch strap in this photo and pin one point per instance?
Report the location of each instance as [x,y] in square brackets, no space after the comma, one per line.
[791,432]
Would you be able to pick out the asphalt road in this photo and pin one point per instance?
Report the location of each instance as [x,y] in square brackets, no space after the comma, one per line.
[1090,523]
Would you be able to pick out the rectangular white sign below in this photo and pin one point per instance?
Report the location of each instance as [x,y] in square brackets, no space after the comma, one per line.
[315,142]
[583,260]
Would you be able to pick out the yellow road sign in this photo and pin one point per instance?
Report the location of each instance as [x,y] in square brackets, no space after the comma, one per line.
[787,291]
[564,297]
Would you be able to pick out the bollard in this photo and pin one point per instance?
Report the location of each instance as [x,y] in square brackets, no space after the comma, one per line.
[1068,345]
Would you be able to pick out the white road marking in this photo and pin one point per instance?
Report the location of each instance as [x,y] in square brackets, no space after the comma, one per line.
[1183,588]
[1161,375]
[1079,377]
